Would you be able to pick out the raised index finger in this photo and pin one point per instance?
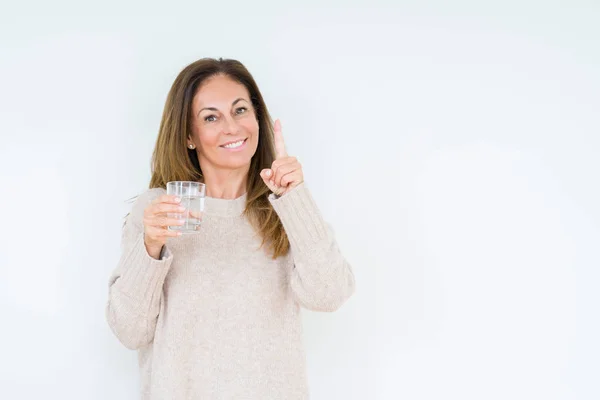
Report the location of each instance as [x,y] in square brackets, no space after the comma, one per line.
[279,143]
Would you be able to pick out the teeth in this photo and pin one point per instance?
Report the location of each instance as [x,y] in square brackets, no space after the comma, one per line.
[234,145]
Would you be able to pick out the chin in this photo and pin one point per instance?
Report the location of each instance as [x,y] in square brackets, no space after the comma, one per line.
[239,161]
[235,165]
[234,160]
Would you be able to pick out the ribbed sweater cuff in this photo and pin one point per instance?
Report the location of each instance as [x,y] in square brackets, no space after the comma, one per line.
[301,218]
[144,276]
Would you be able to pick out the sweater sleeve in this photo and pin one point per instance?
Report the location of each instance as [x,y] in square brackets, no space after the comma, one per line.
[322,279]
[135,286]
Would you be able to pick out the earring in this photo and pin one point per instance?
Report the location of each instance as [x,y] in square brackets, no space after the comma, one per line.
[191,146]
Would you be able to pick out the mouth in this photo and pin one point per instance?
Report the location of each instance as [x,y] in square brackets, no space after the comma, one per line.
[233,146]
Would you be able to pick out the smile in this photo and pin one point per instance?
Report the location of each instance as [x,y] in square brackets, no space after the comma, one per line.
[235,145]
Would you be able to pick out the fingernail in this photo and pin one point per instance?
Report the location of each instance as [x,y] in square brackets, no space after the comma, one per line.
[176,199]
[181,221]
[268,172]
[181,208]
[178,233]
[272,182]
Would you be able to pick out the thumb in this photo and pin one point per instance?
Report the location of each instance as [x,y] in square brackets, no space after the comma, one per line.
[267,174]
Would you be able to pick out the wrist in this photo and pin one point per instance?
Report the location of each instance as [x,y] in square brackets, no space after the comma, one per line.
[154,250]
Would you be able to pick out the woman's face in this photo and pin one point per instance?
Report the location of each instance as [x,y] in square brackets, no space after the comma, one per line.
[225,128]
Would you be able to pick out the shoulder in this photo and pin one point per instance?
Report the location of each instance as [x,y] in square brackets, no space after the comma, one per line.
[141,202]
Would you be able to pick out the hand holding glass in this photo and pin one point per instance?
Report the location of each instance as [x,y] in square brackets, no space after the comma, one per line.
[192,196]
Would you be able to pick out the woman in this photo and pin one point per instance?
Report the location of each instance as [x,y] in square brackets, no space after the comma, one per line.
[216,314]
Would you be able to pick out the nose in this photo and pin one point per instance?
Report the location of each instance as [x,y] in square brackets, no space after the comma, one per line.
[230,126]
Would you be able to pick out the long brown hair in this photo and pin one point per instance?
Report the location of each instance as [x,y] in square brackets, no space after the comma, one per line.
[173,161]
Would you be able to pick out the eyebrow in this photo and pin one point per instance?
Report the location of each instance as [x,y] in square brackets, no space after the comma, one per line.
[214,109]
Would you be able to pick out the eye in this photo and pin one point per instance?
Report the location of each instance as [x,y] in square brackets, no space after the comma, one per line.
[210,116]
[241,108]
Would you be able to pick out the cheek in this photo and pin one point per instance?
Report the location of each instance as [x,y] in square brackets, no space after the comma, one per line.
[208,139]
[251,126]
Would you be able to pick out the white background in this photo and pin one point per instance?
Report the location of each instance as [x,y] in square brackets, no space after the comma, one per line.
[453,146]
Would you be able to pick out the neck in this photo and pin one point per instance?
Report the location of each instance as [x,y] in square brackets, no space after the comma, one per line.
[225,183]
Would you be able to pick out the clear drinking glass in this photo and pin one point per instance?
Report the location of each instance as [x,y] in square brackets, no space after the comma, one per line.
[192,198]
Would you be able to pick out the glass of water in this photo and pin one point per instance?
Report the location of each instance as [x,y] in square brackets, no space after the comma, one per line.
[192,196]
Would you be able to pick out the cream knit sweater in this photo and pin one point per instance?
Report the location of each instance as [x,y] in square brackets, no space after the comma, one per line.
[216,317]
